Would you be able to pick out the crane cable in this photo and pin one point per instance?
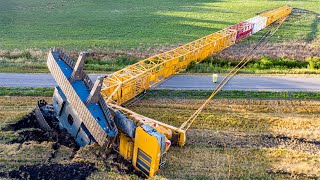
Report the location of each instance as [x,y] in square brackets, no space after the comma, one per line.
[226,79]
[295,10]
[134,101]
[137,99]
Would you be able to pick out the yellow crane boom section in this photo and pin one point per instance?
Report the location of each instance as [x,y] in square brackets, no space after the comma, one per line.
[123,85]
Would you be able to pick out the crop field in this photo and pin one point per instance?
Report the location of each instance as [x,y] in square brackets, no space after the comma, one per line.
[232,138]
[81,24]
[120,33]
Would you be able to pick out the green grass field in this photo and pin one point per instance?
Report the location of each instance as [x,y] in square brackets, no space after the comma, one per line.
[121,33]
[83,24]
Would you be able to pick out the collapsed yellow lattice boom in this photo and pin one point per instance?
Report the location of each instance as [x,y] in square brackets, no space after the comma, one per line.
[123,85]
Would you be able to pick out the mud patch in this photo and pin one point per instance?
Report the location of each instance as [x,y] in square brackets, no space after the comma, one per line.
[28,129]
[51,171]
[112,161]
[28,121]
[117,163]
[243,140]
[32,135]
[293,176]
[65,139]
[294,50]
[108,160]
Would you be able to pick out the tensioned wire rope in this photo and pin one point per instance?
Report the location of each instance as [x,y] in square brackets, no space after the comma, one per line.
[261,44]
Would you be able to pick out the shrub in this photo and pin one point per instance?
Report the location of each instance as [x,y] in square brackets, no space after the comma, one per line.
[265,63]
[108,65]
[289,63]
[191,65]
[314,62]
[24,54]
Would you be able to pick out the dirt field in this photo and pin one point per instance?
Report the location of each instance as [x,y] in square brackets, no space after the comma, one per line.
[231,139]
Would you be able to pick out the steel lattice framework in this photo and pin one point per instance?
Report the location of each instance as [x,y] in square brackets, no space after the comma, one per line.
[125,84]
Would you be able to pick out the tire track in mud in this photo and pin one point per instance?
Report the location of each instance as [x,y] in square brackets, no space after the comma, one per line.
[255,141]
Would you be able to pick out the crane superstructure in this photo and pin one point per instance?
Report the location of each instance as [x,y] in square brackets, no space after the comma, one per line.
[92,113]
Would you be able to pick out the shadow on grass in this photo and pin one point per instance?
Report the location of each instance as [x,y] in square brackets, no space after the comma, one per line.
[314,30]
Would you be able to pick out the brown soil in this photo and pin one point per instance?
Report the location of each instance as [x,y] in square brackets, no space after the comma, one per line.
[27,121]
[297,51]
[51,171]
[28,129]
[291,50]
[244,140]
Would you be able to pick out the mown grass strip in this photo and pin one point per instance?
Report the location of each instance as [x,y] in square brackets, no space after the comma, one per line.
[231,94]
[27,91]
[265,65]
[180,94]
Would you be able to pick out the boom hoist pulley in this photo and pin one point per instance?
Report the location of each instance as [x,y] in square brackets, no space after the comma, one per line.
[92,113]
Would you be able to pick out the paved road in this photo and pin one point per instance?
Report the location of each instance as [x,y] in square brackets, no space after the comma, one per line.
[29,80]
[268,83]
[274,83]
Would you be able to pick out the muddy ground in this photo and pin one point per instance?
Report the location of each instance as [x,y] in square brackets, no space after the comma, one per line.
[232,138]
[51,171]
[74,165]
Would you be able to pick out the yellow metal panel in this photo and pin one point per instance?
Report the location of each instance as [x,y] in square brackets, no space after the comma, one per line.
[158,67]
[277,14]
[126,147]
[140,119]
[146,154]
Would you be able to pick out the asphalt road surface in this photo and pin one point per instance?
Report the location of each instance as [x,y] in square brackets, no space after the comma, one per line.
[263,83]
[186,82]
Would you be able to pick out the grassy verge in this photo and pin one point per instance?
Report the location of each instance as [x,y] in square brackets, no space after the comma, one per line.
[99,62]
[11,91]
[230,94]
[248,136]
[34,61]
[265,65]
[180,94]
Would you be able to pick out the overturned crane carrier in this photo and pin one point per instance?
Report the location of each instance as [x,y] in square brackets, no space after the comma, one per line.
[77,103]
